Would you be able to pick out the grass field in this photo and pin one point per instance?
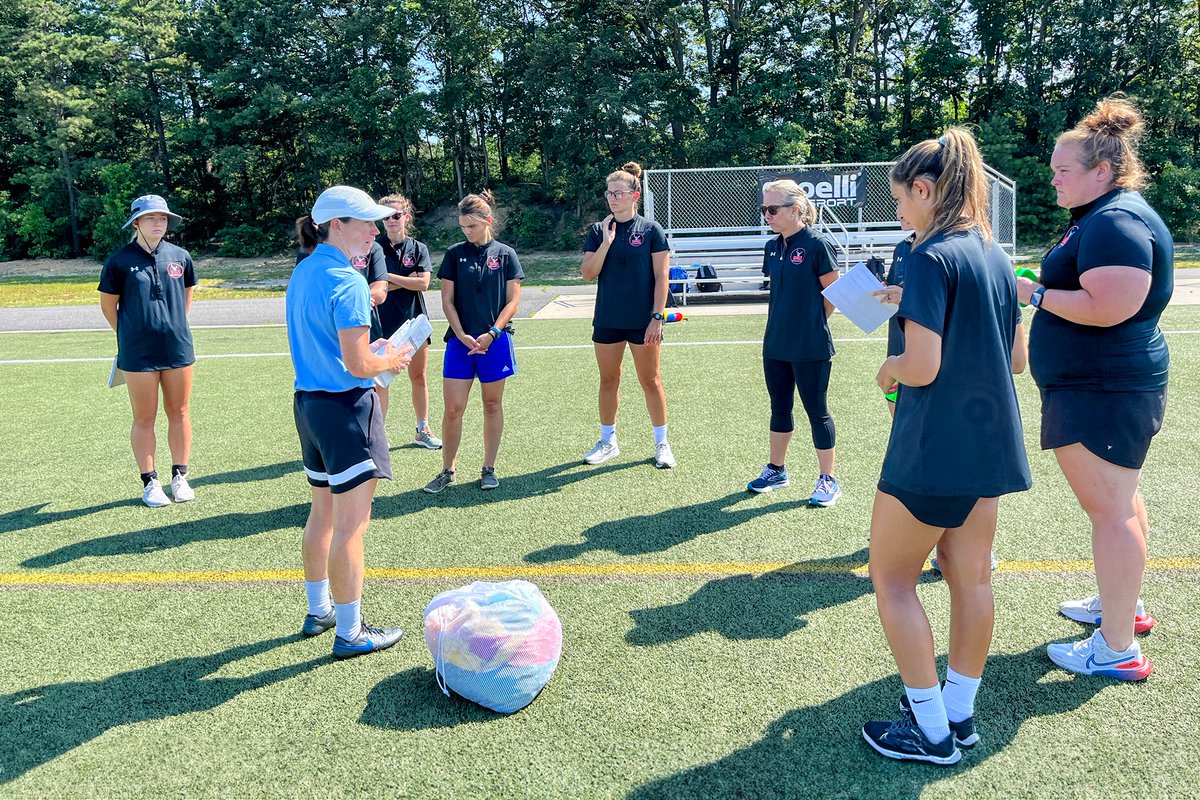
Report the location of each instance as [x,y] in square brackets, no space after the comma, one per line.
[716,644]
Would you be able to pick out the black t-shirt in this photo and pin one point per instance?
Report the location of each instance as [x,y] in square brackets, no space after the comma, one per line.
[152,327]
[480,276]
[960,435]
[373,268]
[895,277]
[1117,229]
[625,288]
[797,329]
[406,258]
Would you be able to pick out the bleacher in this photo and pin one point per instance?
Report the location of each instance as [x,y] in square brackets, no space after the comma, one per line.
[711,218]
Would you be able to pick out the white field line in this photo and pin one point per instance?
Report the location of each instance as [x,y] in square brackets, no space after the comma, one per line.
[727,343]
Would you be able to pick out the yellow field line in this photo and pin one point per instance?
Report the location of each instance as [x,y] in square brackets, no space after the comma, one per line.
[683,570]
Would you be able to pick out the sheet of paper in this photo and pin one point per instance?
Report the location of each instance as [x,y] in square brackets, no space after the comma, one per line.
[415,332]
[115,376]
[851,294]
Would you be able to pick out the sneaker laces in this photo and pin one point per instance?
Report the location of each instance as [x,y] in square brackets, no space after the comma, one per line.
[825,484]
[768,473]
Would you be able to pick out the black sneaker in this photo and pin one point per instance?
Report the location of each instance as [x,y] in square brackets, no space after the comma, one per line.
[315,626]
[964,732]
[443,479]
[369,640]
[488,479]
[903,739]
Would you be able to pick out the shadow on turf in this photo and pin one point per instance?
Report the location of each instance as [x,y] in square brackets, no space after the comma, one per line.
[412,701]
[33,516]
[662,530]
[264,473]
[819,751]
[238,525]
[767,606]
[41,724]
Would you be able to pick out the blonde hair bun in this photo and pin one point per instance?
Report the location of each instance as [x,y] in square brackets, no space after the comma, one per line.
[633,168]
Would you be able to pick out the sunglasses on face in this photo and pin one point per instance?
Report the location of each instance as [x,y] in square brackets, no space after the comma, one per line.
[770,211]
[399,215]
[618,195]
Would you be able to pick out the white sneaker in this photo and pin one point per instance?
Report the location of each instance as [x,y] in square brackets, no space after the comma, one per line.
[1093,656]
[154,496]
[1088,612]
[663,457]
[603,451]
[181,490]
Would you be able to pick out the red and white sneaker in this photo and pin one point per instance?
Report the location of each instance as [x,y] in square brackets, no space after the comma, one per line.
[1087,611]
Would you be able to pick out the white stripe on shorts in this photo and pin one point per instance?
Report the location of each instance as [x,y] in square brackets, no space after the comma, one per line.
[316,476]
[338,478]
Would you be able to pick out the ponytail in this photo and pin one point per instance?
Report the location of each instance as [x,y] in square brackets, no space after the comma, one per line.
[310,234]
[954,166]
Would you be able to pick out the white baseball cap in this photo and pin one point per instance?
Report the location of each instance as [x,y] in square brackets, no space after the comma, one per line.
[346,201]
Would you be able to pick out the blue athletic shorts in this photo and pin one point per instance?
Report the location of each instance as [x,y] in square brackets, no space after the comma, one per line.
[342,440]
[498,363]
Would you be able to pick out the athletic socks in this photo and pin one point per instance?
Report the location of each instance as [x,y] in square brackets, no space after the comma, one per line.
[776,467]
[958,695]
[607,432]
[348,619]
[149,476]
[660,434]
[422,425]
[318,597]
[929,711]
[179,469]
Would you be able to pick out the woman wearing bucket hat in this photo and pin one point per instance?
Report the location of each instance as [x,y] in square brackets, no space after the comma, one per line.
[343,444]
[145,294]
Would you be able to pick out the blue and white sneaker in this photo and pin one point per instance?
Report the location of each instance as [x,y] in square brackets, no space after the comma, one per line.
[368,641]
[904,740]
[1089,612]
[315,626]
[933,563]
[964,732]
[826,493]
[1093,656]
[769,480]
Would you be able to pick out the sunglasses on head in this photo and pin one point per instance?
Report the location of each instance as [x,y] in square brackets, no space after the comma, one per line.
[770,211]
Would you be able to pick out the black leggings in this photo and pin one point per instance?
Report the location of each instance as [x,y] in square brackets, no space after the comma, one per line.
[811,379]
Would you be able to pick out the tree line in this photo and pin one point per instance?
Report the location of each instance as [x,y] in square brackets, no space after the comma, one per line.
[240,111]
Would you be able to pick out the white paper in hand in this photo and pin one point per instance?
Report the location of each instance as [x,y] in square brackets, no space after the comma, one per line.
[415,333]
[115,376]
[851,294]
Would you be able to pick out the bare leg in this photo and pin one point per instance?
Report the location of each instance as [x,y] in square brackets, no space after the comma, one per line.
[493,420]
[318,533]
[455,392]
[351,515]
[143,396]
[177,393]
[965,556]
[646,360]
[420,386]
[608,359]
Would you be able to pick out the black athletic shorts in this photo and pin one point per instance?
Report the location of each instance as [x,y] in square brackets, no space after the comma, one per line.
[1116,426]
[940,512]
[618,335]
[342,440]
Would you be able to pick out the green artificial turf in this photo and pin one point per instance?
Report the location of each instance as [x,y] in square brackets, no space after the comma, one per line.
[701,684]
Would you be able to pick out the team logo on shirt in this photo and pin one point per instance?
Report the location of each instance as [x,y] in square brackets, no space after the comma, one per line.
[409,261]
[493,262]
[359,262]
[636,238]
[175,269]
[798,255]
[1071,231]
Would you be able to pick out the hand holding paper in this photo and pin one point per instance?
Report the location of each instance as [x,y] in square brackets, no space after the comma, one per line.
[408,339]
[853,295]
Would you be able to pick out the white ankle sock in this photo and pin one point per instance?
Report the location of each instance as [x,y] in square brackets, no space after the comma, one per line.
[660,434]
[929,711]
[958,695]
[349,616]
[318,597]
[608,432]
[422,424]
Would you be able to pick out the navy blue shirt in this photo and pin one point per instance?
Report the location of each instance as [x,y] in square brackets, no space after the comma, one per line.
[961,434]
[406,258]
[625,287]
[1116,229]
[480,276]
[152,327]
[797,328]
[325,295]
[895,277]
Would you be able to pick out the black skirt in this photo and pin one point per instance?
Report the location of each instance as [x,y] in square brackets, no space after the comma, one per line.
[1116,426]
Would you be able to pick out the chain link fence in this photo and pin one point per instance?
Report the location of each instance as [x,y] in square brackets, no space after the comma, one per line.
[726,200]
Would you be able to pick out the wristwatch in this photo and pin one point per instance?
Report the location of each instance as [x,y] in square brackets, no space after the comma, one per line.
[1035,299]
[658,315]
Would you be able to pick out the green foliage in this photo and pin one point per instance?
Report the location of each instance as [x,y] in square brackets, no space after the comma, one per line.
[42,235]
[1175,194]
[244,241]
[111,209]
[9,220]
